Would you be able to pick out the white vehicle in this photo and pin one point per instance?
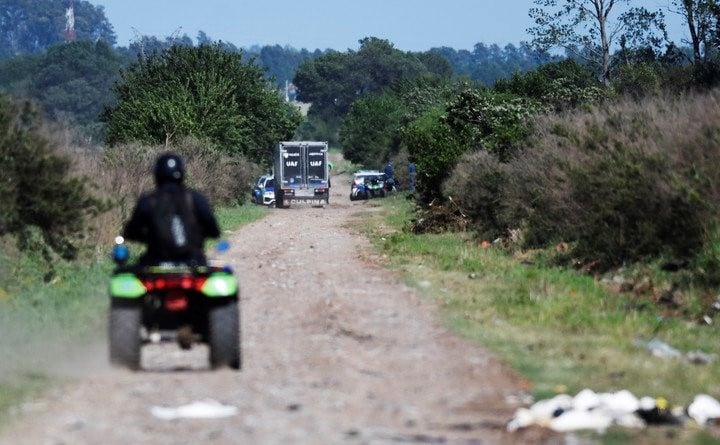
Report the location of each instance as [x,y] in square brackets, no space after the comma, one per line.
[264,190]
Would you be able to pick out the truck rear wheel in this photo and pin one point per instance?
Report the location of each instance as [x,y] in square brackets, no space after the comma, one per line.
[224,332]
[124,333]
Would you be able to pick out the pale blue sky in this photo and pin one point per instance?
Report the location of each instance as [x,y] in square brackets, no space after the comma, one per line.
[338,24]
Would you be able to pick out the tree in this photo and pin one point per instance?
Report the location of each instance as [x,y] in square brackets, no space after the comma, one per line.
[368,130]
[31,26]
[560,85]
[329,83]
[371,133]
[71,82]
[488,64]
[590,28]
[435,146]
[335,80]
[495,122]
[700,16]
[203,91]
[74,80]
[280,62]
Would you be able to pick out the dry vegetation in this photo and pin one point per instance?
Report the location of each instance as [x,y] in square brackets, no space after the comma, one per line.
[120,174]
[623,182]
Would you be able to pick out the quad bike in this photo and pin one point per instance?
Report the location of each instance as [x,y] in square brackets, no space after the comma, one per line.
[359,191]
[375,187]
[173,302]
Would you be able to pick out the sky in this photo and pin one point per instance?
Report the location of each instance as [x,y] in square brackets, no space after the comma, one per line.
[411,25]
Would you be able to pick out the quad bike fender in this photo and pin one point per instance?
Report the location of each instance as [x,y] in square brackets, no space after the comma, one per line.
[220,285]
[126,285]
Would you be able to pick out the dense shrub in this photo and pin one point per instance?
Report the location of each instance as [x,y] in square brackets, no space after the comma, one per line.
[43,204]
[494,122]
[624,183]
[476,185]
[637,81]
[400,162]
[435,147]
[559,86]
[369,128]
[126,172]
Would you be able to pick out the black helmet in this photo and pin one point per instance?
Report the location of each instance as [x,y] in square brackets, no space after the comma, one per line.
[169,168]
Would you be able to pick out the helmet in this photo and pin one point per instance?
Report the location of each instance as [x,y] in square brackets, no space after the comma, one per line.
[169,167]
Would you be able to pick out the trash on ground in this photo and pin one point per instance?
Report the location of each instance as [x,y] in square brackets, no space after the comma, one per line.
[700,358]
[704,409]
[660,349]
[207,409]
[589,410]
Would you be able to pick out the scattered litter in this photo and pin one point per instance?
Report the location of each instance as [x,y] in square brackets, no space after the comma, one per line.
[660,349]
[521,398]
[425,284]
[714,309]
[700,358]
[589,410]
[703,409]
[576,420]
[207,409]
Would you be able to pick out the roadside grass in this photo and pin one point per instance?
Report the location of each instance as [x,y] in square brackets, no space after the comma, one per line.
[231,218]
[560,329]
[40,321]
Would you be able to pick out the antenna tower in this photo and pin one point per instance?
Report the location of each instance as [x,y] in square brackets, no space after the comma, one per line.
[70,23]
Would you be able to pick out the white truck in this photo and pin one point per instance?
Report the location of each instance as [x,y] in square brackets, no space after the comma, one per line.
[302,173]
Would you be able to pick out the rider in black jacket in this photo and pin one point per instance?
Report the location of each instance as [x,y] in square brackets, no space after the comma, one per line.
[172,221]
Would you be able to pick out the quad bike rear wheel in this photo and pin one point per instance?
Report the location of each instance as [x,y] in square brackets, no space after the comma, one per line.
[125,336]
[224,333]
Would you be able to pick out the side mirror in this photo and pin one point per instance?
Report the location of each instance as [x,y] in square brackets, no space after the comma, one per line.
[120,252]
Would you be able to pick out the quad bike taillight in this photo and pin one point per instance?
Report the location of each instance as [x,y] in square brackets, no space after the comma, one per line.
[167,283]
[175,302]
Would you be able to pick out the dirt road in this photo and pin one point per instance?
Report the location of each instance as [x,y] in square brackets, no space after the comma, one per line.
[335,350]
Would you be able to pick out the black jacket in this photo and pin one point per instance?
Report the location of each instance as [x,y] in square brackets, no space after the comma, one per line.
[140,227]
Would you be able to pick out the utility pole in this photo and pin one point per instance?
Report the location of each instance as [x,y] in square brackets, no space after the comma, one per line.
[70,23]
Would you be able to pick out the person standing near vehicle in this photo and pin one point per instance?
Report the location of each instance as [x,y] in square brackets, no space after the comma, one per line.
[412,173]
[173,221]
[389,171]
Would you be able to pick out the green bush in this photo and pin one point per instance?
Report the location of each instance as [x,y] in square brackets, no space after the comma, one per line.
[317,127]
[494,122]
[206,92]
[435,147]
[560,85]
[43,205]
[637,81]
[369,128]
[476,186]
